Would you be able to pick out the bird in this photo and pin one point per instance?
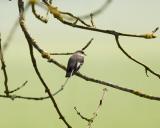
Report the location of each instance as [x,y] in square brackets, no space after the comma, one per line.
[75,62]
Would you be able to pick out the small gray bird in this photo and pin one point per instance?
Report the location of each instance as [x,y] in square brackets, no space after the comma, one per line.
[75,62]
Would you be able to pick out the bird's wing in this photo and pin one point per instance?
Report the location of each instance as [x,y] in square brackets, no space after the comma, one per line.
[80,61]
[72,63]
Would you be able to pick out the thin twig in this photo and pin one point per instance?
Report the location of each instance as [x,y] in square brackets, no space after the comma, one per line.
[13,97]
[90,120]
[76,18]
[41,18]
[93,25]
[70,53]
[83,117]
[98,107]
[66,53]
[86,46]
[4,70]
[18,88]
[155,30]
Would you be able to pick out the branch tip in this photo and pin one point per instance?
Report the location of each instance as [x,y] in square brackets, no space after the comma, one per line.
[155,30]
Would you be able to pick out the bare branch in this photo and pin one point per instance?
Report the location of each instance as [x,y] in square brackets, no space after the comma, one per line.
[86,46]
[41,18]
[91,15]
[7,92]
[87,78]
[18,88]
[111,32]
[76,19]
[45,86]
[13,97]
[83,117]
[66,53]
[21,20]
[155,30]
[90,120]
[4,70]
[99,105]
[130,57]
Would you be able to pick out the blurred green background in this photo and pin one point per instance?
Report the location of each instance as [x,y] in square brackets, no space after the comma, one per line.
[104,61]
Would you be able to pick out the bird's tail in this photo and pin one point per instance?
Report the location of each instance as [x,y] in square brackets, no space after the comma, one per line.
[69,74]
[65,82]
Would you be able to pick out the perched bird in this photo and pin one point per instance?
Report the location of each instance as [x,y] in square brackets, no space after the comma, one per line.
[75,62]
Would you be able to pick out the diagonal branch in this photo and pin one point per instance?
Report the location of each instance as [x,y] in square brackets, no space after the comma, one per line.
[21,20]
[136,61]
[86,46]
[101,82]
[82,117]
[45,86]
[18,88]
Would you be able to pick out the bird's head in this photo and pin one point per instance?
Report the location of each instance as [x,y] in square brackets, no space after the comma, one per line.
[80,52]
